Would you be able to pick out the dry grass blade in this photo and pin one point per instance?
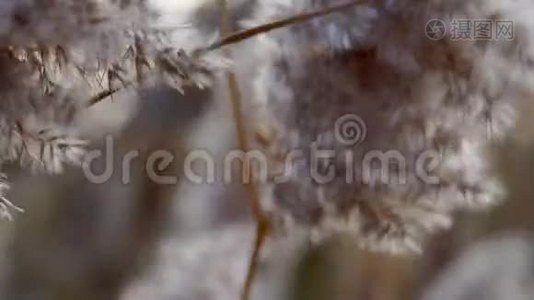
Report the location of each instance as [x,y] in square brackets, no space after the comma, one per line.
[262,223]
[248,33]
[232,39]
[101,96]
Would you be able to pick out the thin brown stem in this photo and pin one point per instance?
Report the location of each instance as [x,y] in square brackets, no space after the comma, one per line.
[248,33]
[262,232]
[243,144]
[262,223]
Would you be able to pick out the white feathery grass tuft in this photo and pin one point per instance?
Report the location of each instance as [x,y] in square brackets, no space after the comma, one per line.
[416,95]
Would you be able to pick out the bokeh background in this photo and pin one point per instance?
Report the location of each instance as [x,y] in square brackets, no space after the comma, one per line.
[80,240]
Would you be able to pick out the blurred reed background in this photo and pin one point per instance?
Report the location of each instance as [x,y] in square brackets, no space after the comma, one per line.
[79,240]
